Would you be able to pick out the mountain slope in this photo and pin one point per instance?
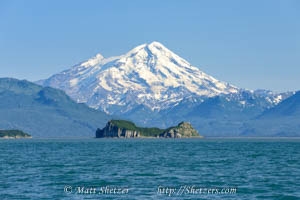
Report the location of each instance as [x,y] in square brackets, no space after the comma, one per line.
[287,108]
[152,86]
[222,115]
[149,75]
[280,120]
[45,112]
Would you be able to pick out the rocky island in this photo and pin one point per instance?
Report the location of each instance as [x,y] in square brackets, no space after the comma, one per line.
[127,129]
[13,134]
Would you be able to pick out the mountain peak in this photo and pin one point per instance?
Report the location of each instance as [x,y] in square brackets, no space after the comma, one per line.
[158,48]
[149,75]
[156,45]
[153,47]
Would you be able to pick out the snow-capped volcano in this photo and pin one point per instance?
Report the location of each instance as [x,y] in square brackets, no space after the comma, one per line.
[150,75]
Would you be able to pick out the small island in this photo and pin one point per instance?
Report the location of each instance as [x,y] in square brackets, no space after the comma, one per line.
[13,134]
[127,129]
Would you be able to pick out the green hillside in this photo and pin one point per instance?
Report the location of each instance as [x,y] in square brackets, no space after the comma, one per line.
[45,112]
[147,132]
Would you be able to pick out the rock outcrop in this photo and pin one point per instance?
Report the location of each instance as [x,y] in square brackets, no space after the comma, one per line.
[127,129]
[113,130]
[183,129]
[13,134]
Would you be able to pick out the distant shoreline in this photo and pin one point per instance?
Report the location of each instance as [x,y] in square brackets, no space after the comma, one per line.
[13,134]
[9,137]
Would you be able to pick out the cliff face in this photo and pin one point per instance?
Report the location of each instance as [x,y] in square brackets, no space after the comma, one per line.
[112,130]
[183,129]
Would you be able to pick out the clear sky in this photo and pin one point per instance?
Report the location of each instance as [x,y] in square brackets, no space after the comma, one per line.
[251,44]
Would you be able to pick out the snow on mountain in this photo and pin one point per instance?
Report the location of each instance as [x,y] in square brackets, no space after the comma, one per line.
[149,75]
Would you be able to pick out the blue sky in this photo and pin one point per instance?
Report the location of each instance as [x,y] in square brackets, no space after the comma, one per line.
[251,44]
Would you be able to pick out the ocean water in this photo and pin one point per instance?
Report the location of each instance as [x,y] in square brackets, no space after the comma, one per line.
[239,169]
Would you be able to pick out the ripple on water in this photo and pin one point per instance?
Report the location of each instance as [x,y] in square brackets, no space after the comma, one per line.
[259,168]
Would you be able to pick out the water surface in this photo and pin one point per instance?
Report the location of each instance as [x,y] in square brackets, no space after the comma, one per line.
[43,168]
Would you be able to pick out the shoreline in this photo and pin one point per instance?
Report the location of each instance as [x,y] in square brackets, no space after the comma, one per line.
[17,137]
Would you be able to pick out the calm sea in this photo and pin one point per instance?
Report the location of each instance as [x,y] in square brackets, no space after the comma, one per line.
[238,169]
